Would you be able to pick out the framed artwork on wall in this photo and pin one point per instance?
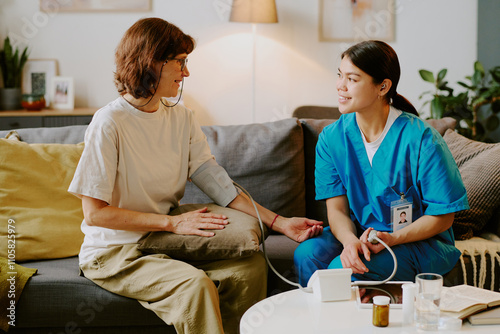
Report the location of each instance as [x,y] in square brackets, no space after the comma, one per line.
[356,20]
[54,6]
[37,77]
[63,94]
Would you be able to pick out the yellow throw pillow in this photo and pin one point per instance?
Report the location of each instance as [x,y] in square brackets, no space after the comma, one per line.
[39,219]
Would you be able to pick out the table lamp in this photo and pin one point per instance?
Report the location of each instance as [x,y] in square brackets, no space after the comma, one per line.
[254,11]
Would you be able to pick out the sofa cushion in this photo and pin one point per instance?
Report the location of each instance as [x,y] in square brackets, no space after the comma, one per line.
[443,124]
[267,159]
[57,296]
[479,165]
[241,237]
[62,135]
[312,128]
[33,197]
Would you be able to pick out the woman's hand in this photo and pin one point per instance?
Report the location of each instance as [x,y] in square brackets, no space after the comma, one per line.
[299,229]
[350,256]
[197,222]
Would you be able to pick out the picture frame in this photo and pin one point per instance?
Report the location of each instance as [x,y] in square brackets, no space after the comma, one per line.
[356,20]
[62,94]
[55,6]
[37,77]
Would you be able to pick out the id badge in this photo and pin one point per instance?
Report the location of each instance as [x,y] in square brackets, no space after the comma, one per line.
[401,213]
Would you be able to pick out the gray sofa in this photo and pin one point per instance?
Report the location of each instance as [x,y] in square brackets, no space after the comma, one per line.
[273,161]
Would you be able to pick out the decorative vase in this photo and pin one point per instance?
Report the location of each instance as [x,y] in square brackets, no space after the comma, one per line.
[33,102]
[10,98]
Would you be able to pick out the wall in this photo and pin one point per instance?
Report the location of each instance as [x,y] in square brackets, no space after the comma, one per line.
[293,67]
[487,34]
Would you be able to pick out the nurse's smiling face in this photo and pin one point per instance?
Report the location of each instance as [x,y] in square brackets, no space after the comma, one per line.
[356,89]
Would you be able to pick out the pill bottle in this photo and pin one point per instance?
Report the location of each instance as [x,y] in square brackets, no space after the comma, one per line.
[381,311]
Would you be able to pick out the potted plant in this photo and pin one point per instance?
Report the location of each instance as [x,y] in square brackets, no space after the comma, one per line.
[476,109]
[11,65]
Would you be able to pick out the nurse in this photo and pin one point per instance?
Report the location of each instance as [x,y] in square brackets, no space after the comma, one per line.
[378,157]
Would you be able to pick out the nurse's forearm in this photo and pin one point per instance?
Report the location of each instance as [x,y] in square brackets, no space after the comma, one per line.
[423,228]
[339,219]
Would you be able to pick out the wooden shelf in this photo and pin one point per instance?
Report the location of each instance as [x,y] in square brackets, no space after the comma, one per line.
[48,112]
[17,119]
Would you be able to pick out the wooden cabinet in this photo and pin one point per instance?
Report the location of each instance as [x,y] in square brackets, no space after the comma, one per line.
[11,120]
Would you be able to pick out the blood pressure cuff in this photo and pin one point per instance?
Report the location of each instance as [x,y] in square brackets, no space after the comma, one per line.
[214,181]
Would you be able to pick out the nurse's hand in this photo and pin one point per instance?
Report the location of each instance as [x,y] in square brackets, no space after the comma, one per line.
[350,256]
[375,248]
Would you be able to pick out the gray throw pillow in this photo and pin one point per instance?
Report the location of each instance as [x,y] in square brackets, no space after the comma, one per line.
[479,165]
[267,159]
[241,237]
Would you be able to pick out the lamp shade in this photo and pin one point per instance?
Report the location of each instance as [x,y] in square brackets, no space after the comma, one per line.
[254,11]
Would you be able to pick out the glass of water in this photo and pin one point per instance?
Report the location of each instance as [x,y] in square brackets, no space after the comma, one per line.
[427,301]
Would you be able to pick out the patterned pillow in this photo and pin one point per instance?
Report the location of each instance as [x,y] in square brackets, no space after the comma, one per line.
[479,165]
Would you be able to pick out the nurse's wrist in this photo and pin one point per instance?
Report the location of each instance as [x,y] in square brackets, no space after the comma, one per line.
[348,239]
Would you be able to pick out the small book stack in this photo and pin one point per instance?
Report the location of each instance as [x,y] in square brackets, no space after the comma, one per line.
[476,304]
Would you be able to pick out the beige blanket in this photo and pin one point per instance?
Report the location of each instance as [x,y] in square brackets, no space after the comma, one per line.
[478,246]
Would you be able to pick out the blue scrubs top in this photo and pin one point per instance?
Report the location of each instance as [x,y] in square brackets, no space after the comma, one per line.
[412,159]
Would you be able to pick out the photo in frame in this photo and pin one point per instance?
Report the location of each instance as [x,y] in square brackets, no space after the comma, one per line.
[37,77]
[54,6]
[63,94]
[356,20]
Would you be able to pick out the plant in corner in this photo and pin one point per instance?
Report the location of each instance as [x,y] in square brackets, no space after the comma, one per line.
[11,65]
[476,109]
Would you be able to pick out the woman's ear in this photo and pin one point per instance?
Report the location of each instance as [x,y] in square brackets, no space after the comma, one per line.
[385,86]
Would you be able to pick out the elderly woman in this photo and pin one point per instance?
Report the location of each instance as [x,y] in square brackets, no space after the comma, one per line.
[140,150]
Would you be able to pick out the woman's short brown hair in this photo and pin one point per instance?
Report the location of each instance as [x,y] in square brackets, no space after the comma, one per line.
[145,43]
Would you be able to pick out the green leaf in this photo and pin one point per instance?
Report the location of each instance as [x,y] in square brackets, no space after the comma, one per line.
[476,78]
[12,63]
[427,76]
[437,108]
[464,85]
[441,74]
[478,67]
[495,74]
[492,123]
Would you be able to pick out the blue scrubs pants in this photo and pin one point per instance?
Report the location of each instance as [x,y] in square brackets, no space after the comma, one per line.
[323,252]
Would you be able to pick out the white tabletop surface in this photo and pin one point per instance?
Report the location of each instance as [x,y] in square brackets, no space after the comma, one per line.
[296,311]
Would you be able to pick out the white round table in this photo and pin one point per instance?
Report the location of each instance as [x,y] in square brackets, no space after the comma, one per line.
[296,311]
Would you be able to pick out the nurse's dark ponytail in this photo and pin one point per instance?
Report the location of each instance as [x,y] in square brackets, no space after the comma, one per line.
[401,103]
[380,61]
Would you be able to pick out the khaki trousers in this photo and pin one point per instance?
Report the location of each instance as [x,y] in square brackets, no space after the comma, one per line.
[196,298]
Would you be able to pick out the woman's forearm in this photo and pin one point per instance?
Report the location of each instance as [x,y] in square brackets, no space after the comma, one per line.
[243,204]
[99,213]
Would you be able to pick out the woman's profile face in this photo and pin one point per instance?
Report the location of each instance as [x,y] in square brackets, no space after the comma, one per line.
[355,88]
[172,75]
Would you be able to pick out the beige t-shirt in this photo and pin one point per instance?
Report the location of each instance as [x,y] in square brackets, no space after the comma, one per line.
[138,161]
